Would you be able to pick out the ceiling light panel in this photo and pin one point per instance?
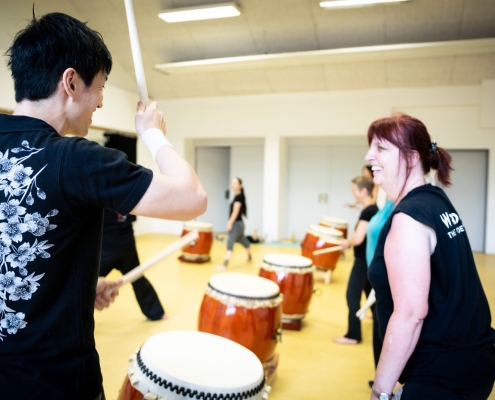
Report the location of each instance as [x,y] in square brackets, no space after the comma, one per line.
[331,4]
[212,11]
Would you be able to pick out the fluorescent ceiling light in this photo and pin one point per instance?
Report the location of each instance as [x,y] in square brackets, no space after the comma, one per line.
[355,3]
[212,11]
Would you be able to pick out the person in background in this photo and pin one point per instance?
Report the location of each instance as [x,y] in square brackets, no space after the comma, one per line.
[118,251]
[362,188]
[368,173]
[432,311]
[235,224]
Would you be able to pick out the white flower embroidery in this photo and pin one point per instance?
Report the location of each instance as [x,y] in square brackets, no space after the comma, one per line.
[13,322]
[17,183]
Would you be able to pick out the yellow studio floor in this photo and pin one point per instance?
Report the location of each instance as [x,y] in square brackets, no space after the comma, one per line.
[311,366]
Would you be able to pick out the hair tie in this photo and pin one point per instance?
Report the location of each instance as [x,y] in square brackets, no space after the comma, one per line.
[433,147]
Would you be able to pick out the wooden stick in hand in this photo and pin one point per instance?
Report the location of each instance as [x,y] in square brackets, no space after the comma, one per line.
[138,272]
[327,250]
[361,313]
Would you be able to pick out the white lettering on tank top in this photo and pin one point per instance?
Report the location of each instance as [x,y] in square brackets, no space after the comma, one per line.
[450,220]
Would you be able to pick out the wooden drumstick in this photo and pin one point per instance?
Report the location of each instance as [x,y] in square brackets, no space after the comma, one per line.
[327,250]
[136,52]
[138,272]
[361,313]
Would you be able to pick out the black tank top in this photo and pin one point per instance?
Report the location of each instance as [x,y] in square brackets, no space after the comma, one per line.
[456,344]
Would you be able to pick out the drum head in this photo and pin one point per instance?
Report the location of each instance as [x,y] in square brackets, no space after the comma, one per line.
[200,226]
[287,260]
[244,286]
[334,221]
[199,362]
[324,231]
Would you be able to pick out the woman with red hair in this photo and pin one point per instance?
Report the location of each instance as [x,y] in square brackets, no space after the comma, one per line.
[433,313]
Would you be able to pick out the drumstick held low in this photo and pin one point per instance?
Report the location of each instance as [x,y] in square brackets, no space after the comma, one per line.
[327,250]
[361,313]
[138,272]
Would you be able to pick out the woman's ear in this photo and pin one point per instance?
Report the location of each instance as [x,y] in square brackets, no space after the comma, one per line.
[413,159]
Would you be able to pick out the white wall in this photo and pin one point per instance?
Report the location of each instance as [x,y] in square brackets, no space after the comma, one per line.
[455,116]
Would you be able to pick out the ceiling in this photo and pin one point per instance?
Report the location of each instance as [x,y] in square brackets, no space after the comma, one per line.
[281,26]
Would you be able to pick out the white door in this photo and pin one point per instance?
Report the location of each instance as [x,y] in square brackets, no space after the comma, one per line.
[468,192]
[213,169]
[316,172]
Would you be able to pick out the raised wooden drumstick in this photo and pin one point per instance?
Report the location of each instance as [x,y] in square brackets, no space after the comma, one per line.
[138,272]
[327,250]
[136,52]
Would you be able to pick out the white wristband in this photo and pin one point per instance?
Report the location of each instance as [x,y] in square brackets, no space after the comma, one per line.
[154,139]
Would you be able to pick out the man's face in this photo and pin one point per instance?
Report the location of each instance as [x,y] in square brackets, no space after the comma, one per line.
[85,102]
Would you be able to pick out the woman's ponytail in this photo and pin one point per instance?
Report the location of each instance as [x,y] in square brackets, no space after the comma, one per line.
[440,161]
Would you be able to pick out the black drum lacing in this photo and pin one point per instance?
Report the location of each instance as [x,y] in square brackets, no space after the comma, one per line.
[194,394]
[244,297]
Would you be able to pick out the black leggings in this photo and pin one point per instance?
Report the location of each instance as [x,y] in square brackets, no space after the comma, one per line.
[414,391]
[358,281]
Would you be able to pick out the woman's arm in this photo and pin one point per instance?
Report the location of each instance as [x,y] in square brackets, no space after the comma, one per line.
[408,249]
[358,237]
[236,209]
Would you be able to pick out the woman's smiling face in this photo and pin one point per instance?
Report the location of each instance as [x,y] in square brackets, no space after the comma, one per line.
[389,169]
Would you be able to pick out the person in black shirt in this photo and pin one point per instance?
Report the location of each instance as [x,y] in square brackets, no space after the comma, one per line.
[53,193]
[235,225]
[432,311]
[362,189]
[118,251]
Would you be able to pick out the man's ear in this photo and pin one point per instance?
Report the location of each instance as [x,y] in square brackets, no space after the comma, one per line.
[69,81]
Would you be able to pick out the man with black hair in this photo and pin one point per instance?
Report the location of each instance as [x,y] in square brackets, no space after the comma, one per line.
[53,191]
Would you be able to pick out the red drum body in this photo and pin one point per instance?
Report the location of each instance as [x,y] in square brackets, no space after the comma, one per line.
[178,365]
[317,238]
[199,251]
[334,222]
[244,308]
[294,275]
[129,392]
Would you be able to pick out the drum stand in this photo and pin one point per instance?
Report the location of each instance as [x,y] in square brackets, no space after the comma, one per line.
[326,274]
[194,258]
[270,368]
[292,324]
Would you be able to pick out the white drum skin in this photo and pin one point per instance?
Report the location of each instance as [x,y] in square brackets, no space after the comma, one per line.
[178,365]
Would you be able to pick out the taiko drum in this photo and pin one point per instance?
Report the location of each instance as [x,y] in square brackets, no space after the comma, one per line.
[294,275]
[319,237]
[180,365]
[334,222]
[198,251]
[244,308]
